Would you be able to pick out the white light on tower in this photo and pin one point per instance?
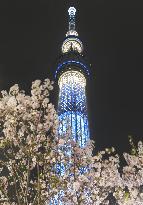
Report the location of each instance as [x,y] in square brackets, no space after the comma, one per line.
[72,11]
[72,77]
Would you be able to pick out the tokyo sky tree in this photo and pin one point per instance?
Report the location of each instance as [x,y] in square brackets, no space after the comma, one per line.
[72,72]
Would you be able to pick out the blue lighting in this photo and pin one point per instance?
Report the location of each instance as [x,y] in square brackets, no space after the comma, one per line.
[82,66]
[79,124]
[72,113]
[72,108]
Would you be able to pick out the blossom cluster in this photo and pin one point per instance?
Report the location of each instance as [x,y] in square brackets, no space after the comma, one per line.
[27,144]
[38,167]
[101,179]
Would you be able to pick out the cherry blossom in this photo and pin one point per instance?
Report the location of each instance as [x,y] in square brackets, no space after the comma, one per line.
[28,143]
[38,166]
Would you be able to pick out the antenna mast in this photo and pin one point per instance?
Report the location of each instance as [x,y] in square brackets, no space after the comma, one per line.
[72,12]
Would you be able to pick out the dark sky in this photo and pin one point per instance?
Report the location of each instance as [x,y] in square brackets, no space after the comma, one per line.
[31,34]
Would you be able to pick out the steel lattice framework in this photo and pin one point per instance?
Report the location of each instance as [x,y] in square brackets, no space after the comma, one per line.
[72,107]
[71,73]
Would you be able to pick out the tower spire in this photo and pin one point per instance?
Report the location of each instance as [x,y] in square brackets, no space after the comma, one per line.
[72,13]
[72,41]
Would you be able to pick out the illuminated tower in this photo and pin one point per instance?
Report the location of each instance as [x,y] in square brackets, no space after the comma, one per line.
[72,72]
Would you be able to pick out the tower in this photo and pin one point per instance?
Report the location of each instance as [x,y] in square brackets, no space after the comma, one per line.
[72,73]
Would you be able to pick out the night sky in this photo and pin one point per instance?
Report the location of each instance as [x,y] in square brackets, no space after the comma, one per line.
[31,34]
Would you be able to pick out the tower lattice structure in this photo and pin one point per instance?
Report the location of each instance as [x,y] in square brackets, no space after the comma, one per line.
[72,73]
